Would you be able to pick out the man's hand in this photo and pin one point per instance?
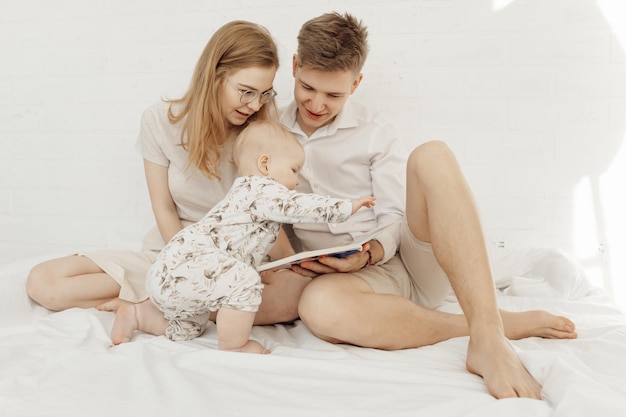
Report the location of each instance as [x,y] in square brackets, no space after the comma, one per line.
[330,264]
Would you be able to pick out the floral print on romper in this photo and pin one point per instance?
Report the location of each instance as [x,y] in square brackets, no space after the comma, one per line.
[211,264]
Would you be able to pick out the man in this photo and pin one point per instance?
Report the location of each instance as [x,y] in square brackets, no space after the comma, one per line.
[380,298]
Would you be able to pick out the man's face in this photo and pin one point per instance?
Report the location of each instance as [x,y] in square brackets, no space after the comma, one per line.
[320,95]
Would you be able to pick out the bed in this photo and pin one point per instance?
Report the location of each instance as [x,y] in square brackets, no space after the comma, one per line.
[63,364]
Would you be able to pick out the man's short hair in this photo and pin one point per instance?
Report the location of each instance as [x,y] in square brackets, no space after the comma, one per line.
[333,42]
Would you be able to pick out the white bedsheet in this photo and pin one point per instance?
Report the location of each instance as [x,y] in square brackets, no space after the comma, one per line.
[63,364]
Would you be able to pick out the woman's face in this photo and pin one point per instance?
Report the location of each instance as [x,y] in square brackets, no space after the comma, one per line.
[245,82]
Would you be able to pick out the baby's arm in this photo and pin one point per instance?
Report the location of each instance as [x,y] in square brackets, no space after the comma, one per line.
[276,203]
[233,331]
[368,202]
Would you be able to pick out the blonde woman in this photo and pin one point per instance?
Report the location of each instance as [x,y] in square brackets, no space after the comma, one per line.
[186,145]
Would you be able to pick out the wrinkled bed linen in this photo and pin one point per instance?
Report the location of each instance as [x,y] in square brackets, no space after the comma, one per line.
[63,364]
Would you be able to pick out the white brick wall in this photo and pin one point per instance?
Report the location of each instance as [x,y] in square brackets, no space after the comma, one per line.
[531,94]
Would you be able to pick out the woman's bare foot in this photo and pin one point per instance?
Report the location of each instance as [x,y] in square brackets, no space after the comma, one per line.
[536,323]
[112,305]
[492,357]
[125,324]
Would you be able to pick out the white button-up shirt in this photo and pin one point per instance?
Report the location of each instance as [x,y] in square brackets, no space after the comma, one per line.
[358,154]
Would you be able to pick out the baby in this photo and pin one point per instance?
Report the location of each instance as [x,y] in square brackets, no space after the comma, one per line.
[211,265]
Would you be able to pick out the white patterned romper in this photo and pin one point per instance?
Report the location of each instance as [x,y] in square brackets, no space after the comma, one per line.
[211,264]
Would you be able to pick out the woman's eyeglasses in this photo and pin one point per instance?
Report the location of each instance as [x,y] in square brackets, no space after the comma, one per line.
[248,96]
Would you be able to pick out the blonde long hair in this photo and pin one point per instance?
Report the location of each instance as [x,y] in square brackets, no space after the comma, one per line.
[234,46]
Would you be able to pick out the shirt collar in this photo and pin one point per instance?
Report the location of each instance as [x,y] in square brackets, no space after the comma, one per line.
[346,119]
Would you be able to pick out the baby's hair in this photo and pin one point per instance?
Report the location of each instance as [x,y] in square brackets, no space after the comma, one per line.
[262,136]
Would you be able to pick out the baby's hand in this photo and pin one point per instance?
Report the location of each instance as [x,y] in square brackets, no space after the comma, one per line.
[368,202]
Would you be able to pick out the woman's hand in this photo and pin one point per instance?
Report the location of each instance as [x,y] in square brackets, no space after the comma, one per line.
[330,264]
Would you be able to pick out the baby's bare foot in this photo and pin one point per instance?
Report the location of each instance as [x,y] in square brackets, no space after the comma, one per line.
[536,323]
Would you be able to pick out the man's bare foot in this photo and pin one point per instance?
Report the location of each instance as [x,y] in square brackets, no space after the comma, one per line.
[536,323]
[493,358]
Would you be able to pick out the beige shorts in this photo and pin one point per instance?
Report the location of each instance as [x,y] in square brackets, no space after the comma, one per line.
[413,273]
[128,268]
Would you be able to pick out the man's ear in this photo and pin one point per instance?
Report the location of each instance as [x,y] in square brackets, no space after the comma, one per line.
[294,64]
[262,164]
[356,83]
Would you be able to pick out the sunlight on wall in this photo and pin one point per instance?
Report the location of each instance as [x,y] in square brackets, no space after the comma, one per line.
[598,230]
[614,205]
[501,4]
[585,242]
[612,182]
[614,12]
[611,185]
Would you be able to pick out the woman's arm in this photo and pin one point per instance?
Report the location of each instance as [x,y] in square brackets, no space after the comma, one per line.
[163,206]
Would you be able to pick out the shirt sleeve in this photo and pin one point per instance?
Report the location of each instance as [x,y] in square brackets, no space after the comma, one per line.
[149,143]
[387,167]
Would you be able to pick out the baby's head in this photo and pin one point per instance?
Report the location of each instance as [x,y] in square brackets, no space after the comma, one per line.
[268,148]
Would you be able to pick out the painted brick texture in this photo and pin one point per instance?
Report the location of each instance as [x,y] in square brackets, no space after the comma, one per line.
[530,94]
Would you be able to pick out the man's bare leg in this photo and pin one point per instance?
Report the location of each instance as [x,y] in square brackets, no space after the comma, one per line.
[441,210]
[71,281]
[344,308]
[281,295]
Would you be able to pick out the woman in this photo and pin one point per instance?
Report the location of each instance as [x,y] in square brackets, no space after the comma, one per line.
[186,144]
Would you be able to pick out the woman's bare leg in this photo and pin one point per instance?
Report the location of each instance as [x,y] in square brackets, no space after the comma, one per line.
[129,317]
[280,304]
[71,281]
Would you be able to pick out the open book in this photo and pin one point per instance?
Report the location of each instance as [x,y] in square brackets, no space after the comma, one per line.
[312,255]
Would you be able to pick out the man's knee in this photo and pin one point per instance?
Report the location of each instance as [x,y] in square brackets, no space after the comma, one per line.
[319,306]
[434,152]
[331,304]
